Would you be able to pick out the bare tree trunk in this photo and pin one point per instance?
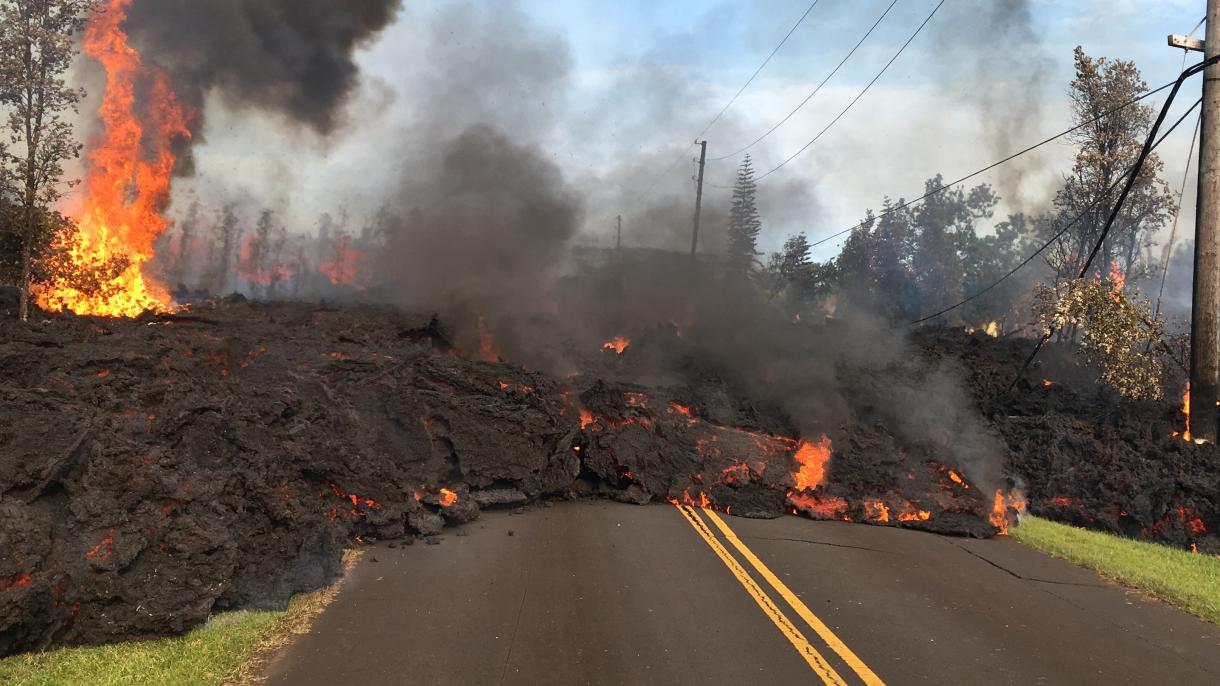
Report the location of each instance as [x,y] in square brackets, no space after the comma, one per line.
[24,310]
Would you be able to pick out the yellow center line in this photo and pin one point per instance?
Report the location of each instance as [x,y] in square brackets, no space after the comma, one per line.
[811,619]
[812,657]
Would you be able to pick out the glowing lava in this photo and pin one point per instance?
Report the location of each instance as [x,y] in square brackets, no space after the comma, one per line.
[130,172]
[447,498]
[811,459]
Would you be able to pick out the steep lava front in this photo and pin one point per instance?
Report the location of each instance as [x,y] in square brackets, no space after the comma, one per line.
[162,468]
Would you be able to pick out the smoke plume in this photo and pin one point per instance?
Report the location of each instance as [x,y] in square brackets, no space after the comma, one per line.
[293,57]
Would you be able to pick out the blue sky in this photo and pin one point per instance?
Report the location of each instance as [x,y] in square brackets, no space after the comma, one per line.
[643,77]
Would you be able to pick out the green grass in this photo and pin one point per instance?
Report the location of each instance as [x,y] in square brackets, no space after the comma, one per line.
[230,650]
[207,656]
[1186,580]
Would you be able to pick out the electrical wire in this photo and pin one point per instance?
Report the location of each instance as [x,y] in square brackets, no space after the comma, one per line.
[1105,232]
[855,100]
[993,165]
[670,168]
[1076,220]
[815,91]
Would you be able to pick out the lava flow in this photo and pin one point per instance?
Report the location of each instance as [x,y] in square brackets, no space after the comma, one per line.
[130,172]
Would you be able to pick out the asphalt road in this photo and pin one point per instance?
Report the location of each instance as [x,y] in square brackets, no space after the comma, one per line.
[601,593]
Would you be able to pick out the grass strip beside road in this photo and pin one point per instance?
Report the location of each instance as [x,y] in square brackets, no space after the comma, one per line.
[1189,581]
[230,650]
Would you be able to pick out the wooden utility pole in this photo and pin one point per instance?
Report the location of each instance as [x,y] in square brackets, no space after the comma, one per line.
[694,239]
[618,240]
[1205,306]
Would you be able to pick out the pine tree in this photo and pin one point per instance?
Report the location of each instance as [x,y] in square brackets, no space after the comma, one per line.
[744,223]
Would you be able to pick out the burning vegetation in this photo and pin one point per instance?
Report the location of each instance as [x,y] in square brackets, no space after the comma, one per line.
[171,453]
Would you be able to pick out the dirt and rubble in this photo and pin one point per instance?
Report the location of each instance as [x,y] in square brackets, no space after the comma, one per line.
[162,468]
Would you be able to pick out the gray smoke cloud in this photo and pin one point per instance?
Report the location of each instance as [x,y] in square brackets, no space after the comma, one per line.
[998,65]
[293,57]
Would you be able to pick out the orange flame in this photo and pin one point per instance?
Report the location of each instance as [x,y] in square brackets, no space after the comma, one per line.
[1048,383]
[346,267]
[129,177]
[811,459]
[1003,508]
[1118,281]
[879,512]
[618,344]
[448,498]
[488,352]
[1186,412]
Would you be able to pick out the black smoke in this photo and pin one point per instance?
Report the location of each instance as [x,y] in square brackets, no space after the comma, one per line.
[294,57]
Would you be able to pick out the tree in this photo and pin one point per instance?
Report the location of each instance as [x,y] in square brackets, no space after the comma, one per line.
[795,277]
[946,227]
[744,223]
[36,49]
[1106,149]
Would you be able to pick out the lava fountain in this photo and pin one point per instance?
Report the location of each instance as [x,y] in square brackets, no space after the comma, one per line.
[130,170]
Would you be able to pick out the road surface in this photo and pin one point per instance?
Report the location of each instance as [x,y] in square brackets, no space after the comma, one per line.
[602,593]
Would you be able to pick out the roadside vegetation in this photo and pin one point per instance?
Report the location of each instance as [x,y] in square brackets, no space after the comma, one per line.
[1190,581]
[230,650]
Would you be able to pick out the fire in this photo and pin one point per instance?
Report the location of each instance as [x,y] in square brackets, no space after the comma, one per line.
[129,179]
[1048,383]
[811,459]
[1003,507]
[958,479]
[911,514]
[1186,412]
[448,498]
[878,511]
[488,352]
[519,387]
[1118,281]
[346,267]
[618,344]
[586,418]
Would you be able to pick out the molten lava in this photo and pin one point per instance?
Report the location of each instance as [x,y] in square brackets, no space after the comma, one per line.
[447,498]
[811,459]
[130,172]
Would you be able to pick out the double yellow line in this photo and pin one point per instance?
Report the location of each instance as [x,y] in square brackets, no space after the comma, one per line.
[816,661]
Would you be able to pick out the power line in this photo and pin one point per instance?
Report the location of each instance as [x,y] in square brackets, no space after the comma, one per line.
[1076,220]
[670,168]
[857,98]
[809,97]
[757,71]
[993,165]
[1139,163]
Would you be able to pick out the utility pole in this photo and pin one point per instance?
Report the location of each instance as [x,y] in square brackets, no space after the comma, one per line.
[618,241]
[1205,305]
[694,239]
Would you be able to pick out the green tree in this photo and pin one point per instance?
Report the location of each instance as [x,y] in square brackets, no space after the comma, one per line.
[36,49]
[744,223]
[946,225]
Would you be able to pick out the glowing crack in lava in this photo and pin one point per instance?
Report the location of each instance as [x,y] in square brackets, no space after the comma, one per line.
[130,172]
